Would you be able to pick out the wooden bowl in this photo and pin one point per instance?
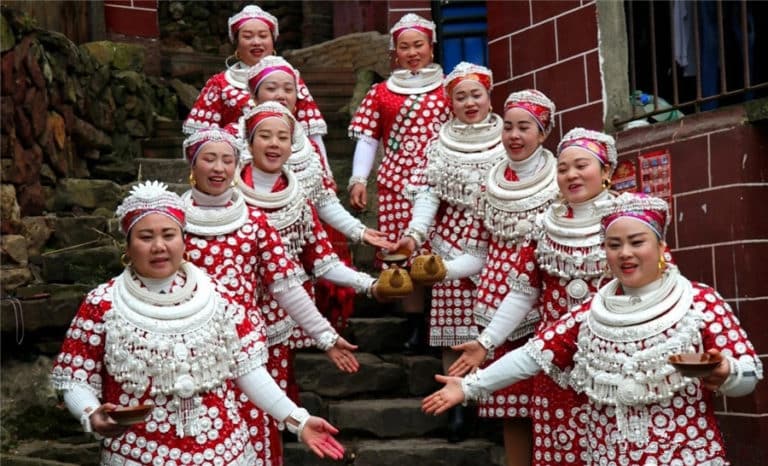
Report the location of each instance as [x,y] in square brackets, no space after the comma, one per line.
[397,256]
[129,415]
[695,365]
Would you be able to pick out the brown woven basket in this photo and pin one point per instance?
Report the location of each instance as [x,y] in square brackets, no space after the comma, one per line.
[428,269]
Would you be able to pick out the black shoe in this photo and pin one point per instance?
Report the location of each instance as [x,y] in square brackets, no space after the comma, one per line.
[415,342]
[457,428]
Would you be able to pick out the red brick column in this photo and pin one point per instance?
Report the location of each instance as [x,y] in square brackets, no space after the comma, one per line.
[552,47]
[136,18]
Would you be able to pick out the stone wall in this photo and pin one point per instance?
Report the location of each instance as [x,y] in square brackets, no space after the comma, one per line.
[202,25]
[68,112]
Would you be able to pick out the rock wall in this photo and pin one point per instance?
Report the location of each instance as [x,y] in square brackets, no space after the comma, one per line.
[202,25]
[68,113]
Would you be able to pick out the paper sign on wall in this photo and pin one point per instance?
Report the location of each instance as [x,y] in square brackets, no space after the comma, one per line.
[656,174]
[624,178]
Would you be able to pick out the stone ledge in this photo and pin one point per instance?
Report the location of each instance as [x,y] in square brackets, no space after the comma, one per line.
[385,418]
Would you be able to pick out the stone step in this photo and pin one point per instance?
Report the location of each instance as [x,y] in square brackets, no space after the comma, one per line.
[167,170]
[41,307]
[191,66]
[404,452]
[420,372]
[315,373]
[377,335]
[332,103]
[332,89]
[165,147]
[87,194]
[53,453]
[75,230]
[337,125]
[314,76]
[340,148]
[168,127]
[385,418]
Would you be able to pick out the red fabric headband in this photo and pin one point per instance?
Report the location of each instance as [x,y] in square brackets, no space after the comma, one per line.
[132,218]
[254,121]
[541,114]
[655,220]
[595,148]
[483,79]
[420,29]
[236,27]
[255,81]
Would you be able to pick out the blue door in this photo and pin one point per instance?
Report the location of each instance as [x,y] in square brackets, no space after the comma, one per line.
[462,32]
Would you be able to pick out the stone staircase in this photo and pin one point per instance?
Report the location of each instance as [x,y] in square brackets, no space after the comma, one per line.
[376,409]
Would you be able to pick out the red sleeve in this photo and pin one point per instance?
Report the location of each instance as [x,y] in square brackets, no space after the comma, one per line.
[208,108]
[367,120]
[307,112]
[554,346]
[722,330]
[81,360]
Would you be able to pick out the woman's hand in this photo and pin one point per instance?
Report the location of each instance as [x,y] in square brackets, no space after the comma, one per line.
[719,374]
[341,355]
[358,196]
[378,239]
[472,355]
[445,398]
[405,243]
[318,436]
[104,425]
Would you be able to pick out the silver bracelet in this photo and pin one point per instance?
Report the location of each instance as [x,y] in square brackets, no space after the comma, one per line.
[327,340]
[353,180]
[301,416]
[485,341]
[85,421]
[360,237]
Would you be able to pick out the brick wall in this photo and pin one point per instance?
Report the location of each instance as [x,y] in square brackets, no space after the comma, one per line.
[551,46]
[719,235]
[132,17]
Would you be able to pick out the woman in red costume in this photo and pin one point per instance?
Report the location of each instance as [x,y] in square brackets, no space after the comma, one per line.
[274,79]
[231,242]
[270,186]
[516,191]
[164,334]
[404,114]
[615,349]
[222,100]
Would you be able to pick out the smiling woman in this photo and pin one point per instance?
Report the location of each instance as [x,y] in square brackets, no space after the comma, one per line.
[616,350]
[164,334]
[225,95]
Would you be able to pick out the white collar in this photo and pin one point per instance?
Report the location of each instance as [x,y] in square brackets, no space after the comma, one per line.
[237,75]
[530,166]
[643,290]
[206,200]
[263,181]
[157,285]
[586,209]
[424,80]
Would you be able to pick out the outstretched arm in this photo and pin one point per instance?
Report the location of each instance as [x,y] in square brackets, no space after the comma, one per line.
[303,310]
[507,317]
[513,367]
[317,433]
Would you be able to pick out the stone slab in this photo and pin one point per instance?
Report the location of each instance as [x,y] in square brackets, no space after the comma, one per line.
[315,373]
[385,418]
